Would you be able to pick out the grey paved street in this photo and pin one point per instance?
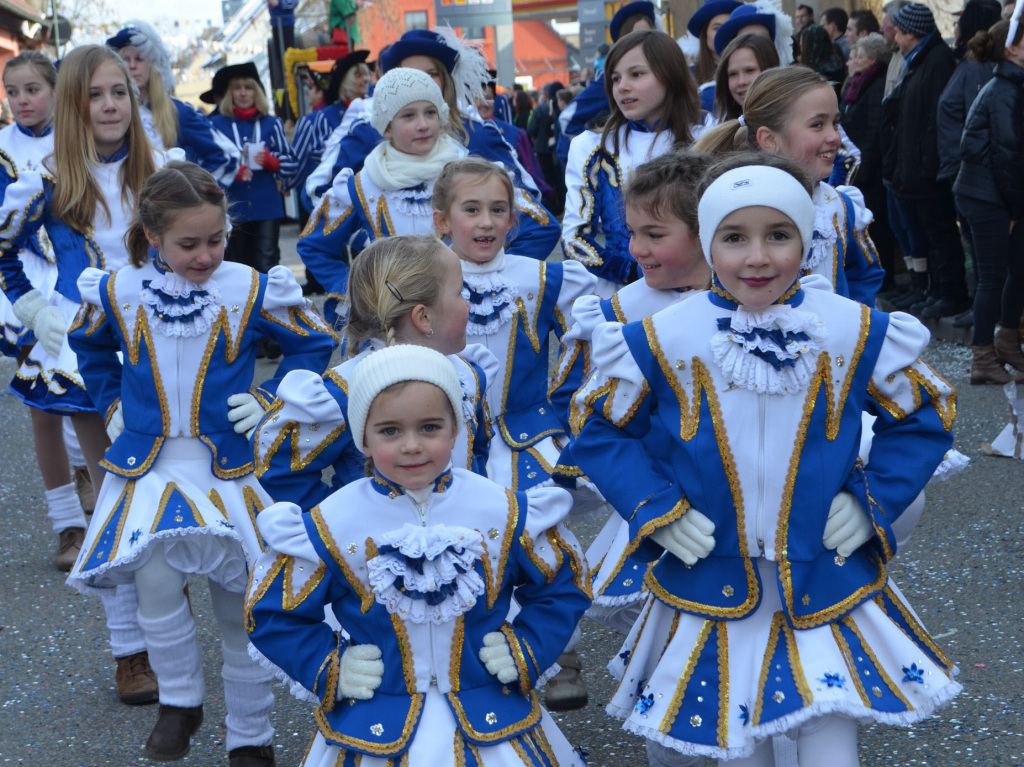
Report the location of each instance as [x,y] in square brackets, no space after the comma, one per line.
[962,571]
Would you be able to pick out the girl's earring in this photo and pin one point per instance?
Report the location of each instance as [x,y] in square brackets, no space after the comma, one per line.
[430,333]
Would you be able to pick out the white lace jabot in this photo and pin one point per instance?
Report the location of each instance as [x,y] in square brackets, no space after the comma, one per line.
[178,307]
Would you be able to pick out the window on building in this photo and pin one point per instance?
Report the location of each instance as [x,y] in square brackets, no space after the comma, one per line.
[473,33]
[415,20]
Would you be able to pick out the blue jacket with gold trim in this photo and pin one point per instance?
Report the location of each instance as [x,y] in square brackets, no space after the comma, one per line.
[178,385]
[763,467]
[334,556]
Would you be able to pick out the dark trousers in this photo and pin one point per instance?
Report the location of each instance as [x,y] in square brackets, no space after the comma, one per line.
[881,232]
[904,227]
[936,216]
[254,243]
[999,266]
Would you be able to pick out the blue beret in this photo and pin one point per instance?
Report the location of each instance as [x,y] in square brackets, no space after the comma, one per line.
[641,7]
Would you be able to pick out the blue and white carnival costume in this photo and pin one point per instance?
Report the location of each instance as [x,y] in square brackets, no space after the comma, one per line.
[203,144]
[515,304]
[179,474]
[311,134]
[478,546]
[763,410]
[594,178]
[842,251]
[23,150]
[305,429]
[617,580]
[47,382]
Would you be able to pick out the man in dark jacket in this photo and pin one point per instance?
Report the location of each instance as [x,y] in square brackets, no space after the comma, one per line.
[911,163]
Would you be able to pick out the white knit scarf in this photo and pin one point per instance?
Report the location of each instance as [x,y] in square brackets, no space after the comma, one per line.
[391,169]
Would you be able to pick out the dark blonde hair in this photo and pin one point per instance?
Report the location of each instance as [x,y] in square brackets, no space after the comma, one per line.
[76,194]
[38,61]
[726,107]
[667,185]
[681,110]
[769,104]
[744,159]
[481,169]
[176,187]
[387,280]
[227,104]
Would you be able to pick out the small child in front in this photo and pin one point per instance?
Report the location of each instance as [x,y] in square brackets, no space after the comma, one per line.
[771,609]
[419,563]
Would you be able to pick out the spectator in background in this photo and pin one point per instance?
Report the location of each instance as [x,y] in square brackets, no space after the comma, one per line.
[861,110]
[834,20]
[861,24]
[817,51]
[803,17]
[542,131]
[897,62]
[911,164]
[523,107]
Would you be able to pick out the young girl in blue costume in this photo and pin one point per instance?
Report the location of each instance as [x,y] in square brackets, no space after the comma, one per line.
[29,81]
[391,194]
[430,670]
[771,610]
[405,289]
[83,198]
[788,111]
[169,121]
[654,108]
[459,70]
[256,205]
[661,213]
[515,304]
[180,497]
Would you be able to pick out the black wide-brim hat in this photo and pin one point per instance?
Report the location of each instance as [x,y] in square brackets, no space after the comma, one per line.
[339,70]
[222,80]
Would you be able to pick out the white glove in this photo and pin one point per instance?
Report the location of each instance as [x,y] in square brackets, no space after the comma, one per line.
[848,527]
[45,320]
[497,657]
[116,423]
[690,538]
[361,672]
[245,412]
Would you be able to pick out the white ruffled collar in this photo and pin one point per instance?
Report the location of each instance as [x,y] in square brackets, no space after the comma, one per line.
[826,235]
[427,574]
[178,307]
[770,351]
[492,298]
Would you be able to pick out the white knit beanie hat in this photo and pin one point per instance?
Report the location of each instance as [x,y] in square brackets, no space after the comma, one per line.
[401,87]
[394,364]
[750,186]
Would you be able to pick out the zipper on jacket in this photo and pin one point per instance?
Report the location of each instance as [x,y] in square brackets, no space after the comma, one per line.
[759,524]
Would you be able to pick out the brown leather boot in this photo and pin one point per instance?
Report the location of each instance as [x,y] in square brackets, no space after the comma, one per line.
[252,756]
[136,682]
[84,489]
[986,367]
[171,737]
[1007,346]
[565,691]
[69,543]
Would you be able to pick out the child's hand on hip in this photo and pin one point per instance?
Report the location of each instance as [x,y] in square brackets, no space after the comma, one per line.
[245,412]
[361,672]
[848,527]
[690,538]
[497,657]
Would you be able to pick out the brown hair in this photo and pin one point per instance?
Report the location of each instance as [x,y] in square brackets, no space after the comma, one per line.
[681,109]
[668,185]
[39,61]
[447,181]
[707,63]
[76,195]
[990,44]
[387,280]
[769,103]
[176,187]
[227,104]
[726,107]
[743,159]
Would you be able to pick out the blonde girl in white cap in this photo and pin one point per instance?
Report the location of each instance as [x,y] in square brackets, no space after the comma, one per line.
[771,610]
[430,670]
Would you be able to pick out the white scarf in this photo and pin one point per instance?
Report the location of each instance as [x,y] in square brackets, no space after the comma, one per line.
[391,169]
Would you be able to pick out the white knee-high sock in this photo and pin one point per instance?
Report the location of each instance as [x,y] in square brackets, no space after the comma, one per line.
[64,509]
[663,756]
[249,698]
[122,607]
[71,444]
[831,740]
[174,656]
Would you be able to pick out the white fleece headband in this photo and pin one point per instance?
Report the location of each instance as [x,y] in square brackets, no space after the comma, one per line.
[750,186]
[400,87]
[394,364]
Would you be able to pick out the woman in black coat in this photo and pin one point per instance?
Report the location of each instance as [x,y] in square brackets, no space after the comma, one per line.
[861,110]
[990,195]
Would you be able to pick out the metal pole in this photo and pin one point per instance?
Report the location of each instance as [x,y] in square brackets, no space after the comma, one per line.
[55,29]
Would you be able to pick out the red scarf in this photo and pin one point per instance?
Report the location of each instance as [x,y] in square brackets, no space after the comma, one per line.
[247,114]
